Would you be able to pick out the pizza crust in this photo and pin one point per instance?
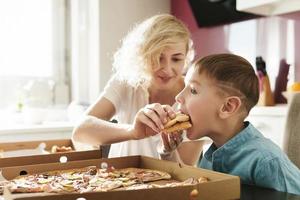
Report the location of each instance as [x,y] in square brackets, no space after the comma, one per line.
[178,127]
[148,175]
[57,149]
[2,185]
[179,123]
[180,117]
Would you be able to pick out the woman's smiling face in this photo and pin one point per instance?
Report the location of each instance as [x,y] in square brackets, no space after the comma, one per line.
[171,63]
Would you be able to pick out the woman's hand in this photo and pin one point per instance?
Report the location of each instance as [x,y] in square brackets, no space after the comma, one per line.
[150,120]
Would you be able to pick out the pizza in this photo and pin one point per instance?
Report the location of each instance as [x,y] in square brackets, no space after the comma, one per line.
[171,183]
[88,179]
[1,153]
[57,149]
[2,184]
[189,181]
[92,179]
[180,122]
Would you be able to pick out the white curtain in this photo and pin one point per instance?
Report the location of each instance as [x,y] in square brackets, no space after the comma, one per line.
[275,41]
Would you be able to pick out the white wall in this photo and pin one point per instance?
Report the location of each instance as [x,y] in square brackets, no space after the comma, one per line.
[116,18]
[97,29]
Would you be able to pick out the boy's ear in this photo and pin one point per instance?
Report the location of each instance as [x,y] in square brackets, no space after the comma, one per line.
[230,106]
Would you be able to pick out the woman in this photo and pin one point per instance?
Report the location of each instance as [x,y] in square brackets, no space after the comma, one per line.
[148,70]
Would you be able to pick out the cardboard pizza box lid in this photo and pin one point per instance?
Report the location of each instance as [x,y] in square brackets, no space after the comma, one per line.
[44,157]
[11,146]
[220,186]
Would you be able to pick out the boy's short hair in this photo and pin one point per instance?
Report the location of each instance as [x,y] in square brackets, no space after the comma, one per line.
[233,74]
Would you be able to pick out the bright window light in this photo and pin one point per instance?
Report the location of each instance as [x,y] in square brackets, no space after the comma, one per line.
[242,39]
[26,44]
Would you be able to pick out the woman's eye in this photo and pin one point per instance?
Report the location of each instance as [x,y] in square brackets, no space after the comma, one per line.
[177,59]
[193,91]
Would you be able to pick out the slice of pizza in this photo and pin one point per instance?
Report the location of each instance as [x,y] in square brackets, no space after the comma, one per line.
[108,185]
[57,181]
[146,175]
[2,185]
[76,180]
[189,181]
[25,185]
[139,186]
[57,149]
[86,179]
[202,179]
[61,187]
[179,123]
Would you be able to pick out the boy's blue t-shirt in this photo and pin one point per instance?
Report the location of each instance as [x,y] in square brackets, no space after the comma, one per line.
[255,159]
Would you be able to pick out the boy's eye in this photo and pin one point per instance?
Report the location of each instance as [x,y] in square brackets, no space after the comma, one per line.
[193,91]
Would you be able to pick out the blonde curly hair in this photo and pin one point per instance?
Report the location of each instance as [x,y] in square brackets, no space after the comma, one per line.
[141,48]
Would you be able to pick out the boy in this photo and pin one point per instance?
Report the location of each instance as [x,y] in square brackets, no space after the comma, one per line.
[219,93]
[223,88]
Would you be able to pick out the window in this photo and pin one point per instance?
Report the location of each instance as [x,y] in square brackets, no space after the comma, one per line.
[26,38]
[242,39]
[33,46]
[290,49]
[272,38]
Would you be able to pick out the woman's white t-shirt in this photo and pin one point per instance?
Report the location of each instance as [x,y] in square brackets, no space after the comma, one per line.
[128,101]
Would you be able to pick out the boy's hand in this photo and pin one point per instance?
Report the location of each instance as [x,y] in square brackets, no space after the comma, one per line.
[170,142]
[150,120]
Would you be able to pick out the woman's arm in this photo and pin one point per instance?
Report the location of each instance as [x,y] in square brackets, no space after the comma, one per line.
[102,109]
[95,128]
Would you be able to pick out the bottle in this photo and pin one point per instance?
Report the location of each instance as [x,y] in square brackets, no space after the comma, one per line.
[281,82]
[265,92]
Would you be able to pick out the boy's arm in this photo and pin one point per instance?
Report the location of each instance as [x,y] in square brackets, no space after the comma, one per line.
[190,151]
[276,174]
[187,153]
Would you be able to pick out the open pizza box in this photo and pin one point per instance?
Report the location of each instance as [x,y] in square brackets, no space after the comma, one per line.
[37,152]
[219,186]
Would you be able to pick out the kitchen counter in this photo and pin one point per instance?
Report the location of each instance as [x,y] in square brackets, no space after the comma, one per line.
[35,124]
[270,121]
[278,110]
[23,132]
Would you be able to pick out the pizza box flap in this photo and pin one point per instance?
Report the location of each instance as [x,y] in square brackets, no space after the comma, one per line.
[43,156]
[175,193]
[10,146]
[49,158]
[178,171]
[12,172]
[220,186]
